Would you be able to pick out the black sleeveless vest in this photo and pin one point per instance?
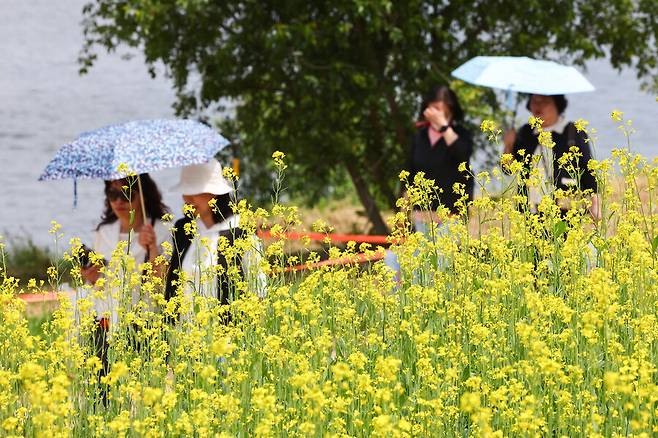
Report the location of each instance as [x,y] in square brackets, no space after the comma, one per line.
[182,243]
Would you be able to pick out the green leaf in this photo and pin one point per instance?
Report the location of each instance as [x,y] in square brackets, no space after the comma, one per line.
[654,244]
[560,228]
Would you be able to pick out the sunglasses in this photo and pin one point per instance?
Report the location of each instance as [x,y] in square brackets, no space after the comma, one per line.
[114,194]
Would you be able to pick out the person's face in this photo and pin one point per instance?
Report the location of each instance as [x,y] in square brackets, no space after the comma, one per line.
[442,107]
[118,199]
[545,108]
[200,203]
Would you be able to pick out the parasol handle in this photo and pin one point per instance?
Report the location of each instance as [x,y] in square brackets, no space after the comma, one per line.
[509,97]
[141,198]
[512,104]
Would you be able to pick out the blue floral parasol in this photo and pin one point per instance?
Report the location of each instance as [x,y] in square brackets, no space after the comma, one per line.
[144,146]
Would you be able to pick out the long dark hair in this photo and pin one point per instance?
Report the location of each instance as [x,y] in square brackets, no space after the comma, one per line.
[153,204]
[442,93]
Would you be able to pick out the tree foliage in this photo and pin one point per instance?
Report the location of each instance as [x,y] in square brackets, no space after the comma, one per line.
[335,84]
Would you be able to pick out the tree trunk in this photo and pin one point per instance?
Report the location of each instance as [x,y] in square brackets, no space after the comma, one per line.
[402,137]
[374,149]
[368,202]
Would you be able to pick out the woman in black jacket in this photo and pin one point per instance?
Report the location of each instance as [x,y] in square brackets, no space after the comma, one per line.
[438,148]
[440,145]
[564,134]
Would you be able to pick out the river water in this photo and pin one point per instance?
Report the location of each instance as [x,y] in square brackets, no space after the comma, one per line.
[44,103]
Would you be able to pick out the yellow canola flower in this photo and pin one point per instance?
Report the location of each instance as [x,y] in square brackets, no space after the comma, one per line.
[54,227]
[546,139]
[277,157]
[535,122]
[152,396]
[10,424]
[118,371]
[469,402]
[229,174]
[222,347]
[581,125]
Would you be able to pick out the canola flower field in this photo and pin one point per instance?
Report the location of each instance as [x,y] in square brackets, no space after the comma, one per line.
[510,324]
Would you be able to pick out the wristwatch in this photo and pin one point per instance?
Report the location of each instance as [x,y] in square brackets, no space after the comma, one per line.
[444,128]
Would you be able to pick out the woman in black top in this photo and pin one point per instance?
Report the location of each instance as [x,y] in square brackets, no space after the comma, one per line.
[564,134]
[440,145]
[438,148]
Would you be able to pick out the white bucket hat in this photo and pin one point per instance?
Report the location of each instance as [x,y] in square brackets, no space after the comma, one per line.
[203,178]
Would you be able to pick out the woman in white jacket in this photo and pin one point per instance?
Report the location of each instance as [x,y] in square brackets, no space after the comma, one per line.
[123,221]
[115,226]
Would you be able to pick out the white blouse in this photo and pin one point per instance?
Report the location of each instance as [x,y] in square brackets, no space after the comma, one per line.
[106,240]
[201,258]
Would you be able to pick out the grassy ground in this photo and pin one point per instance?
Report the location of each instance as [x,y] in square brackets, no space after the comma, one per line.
[23,259]
[35,323]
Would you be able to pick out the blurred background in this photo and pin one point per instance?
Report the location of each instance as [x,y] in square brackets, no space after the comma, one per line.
[44,103]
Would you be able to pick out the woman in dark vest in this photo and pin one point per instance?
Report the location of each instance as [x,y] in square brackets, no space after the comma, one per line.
[204,188]
[564,134]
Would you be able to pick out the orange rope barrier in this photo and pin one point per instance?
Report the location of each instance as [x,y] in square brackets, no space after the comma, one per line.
[356,258]
[359,238]
[37,298]
[46,297]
